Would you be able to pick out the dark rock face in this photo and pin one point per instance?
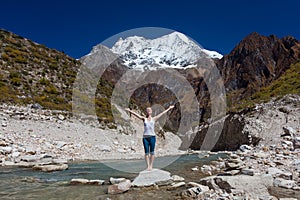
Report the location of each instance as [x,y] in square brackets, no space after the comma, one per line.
[256,61]
[230,139]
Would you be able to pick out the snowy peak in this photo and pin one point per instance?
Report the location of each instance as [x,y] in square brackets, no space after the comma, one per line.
[173,50]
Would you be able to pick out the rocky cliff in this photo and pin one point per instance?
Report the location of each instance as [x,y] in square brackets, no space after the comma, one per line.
[255,62]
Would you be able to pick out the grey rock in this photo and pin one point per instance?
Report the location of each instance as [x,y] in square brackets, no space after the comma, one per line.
[195,191]
[249,172]
[289,130]
[176,185]
[5,150]
[60,144]
[61,117]
[30,158]
[275,172]
[103,147]
[77,181]
[8,163]
[119,188]
[177,178]
[36,106]
[245,148]
[116,180]
[296,143]
[148,178]
[280,182]
[51,168]
[256,185]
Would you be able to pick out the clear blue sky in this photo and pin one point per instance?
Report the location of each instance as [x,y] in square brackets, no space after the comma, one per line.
[218,25]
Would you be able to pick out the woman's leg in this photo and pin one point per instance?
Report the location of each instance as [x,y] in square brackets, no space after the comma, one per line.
[146,144]
[152,147]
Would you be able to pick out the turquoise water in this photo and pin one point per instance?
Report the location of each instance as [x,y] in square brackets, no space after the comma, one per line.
[22,183]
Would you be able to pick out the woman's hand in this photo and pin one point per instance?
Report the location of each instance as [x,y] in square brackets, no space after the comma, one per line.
[171,107]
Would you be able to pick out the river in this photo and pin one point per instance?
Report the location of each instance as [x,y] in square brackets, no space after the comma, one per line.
[25,183]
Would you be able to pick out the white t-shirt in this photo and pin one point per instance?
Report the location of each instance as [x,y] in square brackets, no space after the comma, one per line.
[148,128]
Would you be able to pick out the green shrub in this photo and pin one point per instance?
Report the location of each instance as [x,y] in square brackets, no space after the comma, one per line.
[16,81]
[51,89]
[44,81]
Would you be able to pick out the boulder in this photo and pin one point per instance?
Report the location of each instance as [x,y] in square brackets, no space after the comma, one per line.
[256,185]
[116,180]
[153,177]
[119,188]
[51,168]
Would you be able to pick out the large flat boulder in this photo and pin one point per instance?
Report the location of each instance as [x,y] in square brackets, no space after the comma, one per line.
[256,185]
[153,177]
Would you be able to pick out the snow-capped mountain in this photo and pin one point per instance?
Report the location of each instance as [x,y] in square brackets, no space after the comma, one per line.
[173,50]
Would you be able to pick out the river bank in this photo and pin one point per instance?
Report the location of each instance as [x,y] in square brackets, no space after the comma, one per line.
[30,135]
[51,141]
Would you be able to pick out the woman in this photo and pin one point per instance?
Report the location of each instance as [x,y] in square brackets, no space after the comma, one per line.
[149,138]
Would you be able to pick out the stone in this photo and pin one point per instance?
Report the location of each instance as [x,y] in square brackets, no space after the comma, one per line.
[245,148]
[260,155]
[3,143]
[195,168]
[76,181]
[231,172]
[103,147]
[289,131]
[119,188]
[59,161]
[51,168]
[224,185]
[96,182]
[232,165]
[15,154]
[177,178]
[60,144]
[61,117]
[176,185]
[25,164]
[36,106]
[280,182]
[194,191]
[5,150]
[30,150]
[296,143]
[116,180]
[30,158]
[148,178]
[256,185]
[249,172]
[8,163]
[121,150]
[275,172]
[193,184]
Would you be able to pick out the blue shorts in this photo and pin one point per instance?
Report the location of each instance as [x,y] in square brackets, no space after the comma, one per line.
[149,144]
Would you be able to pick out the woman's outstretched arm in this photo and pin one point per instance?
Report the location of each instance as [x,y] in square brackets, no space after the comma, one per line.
[135,114]
[162,113]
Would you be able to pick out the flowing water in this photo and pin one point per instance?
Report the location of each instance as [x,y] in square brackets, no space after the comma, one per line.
[22,183]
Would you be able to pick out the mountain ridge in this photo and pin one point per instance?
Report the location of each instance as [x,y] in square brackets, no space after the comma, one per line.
[174,50]
[47,85]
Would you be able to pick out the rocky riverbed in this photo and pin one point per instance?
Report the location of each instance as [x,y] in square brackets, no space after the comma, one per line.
[34,137]
[49,140]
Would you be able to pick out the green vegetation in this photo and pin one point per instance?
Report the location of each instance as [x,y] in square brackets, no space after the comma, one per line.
[45,76]
[288,83]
